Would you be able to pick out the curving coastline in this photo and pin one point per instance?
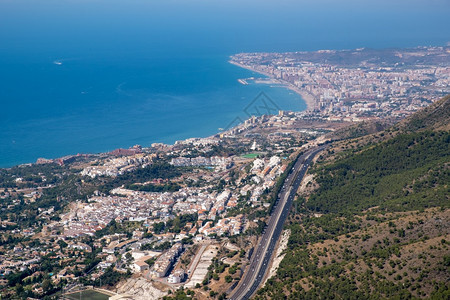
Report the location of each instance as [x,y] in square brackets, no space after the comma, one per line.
[306,96]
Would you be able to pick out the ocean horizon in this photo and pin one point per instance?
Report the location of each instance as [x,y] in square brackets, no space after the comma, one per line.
[138,73]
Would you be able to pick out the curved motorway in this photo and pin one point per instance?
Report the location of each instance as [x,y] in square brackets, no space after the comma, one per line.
[264,251]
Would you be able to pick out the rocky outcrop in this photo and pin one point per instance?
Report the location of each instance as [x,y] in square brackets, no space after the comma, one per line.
[140,289]
[279,255]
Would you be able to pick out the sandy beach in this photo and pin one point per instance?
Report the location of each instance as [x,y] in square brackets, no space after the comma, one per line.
[309,99]
[306,96]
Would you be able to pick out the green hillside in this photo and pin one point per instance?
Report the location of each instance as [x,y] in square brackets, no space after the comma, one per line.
[376,224]
[410,171]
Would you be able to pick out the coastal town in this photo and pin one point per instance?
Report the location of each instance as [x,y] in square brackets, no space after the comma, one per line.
[356,85]
[201,201]
[143,222]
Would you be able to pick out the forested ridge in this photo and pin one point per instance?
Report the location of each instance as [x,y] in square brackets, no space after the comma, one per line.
[376,223]
[407,172]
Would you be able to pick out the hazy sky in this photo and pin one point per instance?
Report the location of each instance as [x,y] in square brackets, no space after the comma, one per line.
[252,25]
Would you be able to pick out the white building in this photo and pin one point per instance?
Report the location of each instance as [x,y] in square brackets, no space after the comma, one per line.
[176,277]
[140,266]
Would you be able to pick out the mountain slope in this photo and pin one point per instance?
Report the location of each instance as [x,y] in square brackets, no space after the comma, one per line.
[433,117]
[376,224]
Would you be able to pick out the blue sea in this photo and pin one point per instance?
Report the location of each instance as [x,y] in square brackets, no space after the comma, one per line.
[87,76]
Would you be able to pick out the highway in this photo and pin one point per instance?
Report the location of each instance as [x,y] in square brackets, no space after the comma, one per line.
[261,257]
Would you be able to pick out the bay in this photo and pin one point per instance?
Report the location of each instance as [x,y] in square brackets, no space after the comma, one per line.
[91,76]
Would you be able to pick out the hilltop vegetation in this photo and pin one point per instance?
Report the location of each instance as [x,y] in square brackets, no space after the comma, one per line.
[374,223]
[410,171]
